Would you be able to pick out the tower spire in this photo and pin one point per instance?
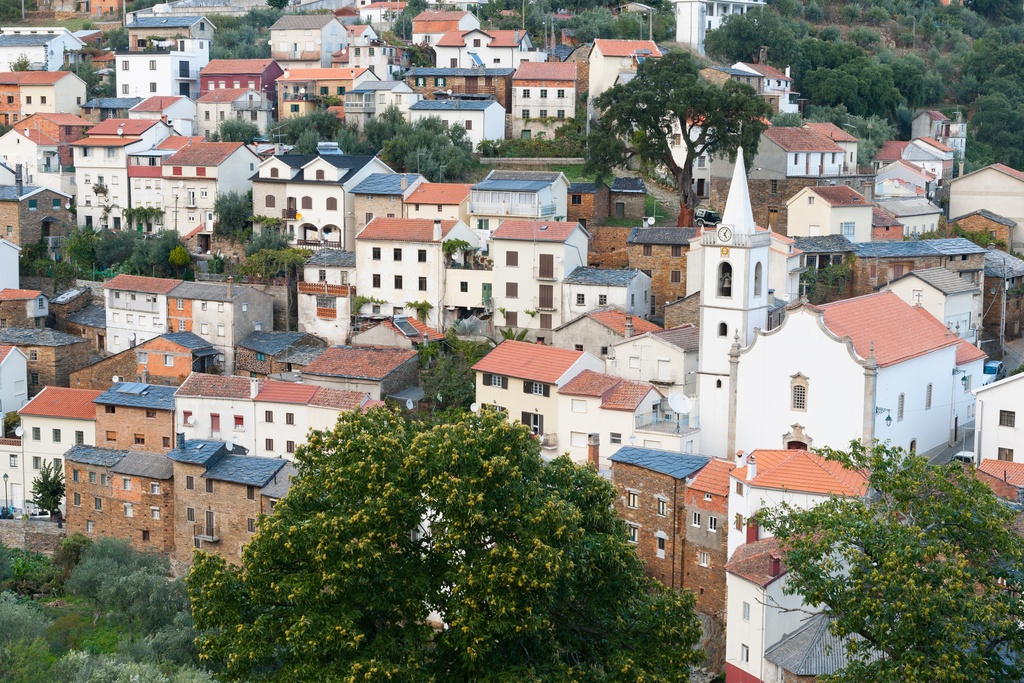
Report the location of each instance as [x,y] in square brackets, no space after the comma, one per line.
[738,214]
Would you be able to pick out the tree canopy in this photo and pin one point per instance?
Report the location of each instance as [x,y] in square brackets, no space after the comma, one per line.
[391,523]
[669,97]
[926,570]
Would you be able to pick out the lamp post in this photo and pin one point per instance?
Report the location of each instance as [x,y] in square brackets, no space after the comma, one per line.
[6,501]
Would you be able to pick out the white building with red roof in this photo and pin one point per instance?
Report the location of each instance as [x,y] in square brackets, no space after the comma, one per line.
[136,309]
[447,201]
[176,110]
[523,379]
[773,85]
[935,124]
[997,188]
[597,330]
[998,438]
[829,210]
[543,98]
[233,104]
[429,25]
[616,61]
[492,48]
[380,14]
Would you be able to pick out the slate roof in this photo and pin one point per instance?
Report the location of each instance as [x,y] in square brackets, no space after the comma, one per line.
[301,355]
[665,236]
[271,343]
[535,230]
[628,185]
[609,277]
[42,336]
[75,404]
[714,478]
[363,362]
[752,561]
[942,279]
[207,291]
[333,257]
[953,246]
[812,650]
[685,337]
[824,244]
[386,183]
[138,395]
[909,206]
[93,315]
[112,102]
[67,295]
[279,485]
[241,469]
[677,465]
[452,105]
[91,455]
[984,213]
[353,163]
[582,188]
[190,340]
[547,176]
[27,40]
[882,219]
[148,465]
[1000,264]
[528,361]
[199,451]
[141,283]
[164,21]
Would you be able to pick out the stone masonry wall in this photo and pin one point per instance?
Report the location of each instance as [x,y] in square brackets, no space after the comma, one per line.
[708,583]
[36,536]
[649,487]
[685,310]
[608,247]
[130,426]
[667,271]
[978,223]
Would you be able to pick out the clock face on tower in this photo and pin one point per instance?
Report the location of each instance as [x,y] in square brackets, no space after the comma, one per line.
[724,234]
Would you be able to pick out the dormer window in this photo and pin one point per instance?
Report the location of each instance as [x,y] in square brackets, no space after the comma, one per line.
[273,172]
[320,174]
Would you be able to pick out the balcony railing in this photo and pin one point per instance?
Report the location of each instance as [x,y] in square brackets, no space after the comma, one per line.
[206,533]
[289,214]
[507,209]
[317,244]
[549,440]
[326,313]
[324,289]
[187,74]
[540,274]
[682,424]
[300,96]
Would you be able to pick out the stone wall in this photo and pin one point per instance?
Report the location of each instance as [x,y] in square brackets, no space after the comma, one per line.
[33,535]
[666,264]
[707,582]
[634,204]
[870,273]
[993,307]
[54,364]
[98,375]
[683,311]
[977,223]
[138,429]
[608,247]
[592,209]
[650,487]
[14,313]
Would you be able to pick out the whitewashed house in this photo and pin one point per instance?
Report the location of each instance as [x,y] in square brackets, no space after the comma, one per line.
[626,289]
[997,435]
[829,210]
[324,295]
[950,298]
[482,119]
[45,48]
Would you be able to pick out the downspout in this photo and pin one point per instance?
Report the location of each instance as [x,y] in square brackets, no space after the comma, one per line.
[675,529]
[870,397]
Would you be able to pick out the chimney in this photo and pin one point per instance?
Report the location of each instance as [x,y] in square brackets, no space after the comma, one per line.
[231,288]
[404,183]
[961,169]
[437,230]
[774,566]
[629,326]
[19,187]
[751,467]
[179,441]
[594,450]
[741,459]
[145,376]
[163,117]
[787,72]
[254,387]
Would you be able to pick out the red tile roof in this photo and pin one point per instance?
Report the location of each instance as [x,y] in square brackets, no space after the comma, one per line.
[546,71]
[60,119]
[403,230]
[439,193]
[936,144]
[75,404]
[535,230]
[615,320]
[891,150]
[362,362]
[215,386]
[625,48]
[385,4]
[105,142]
[768,71]
[936,115]
[589,383]
[752,561]
[427,333]
[1010,472]
[439,15]
[5,351]
[18,294]
[840,195]
[340,399]
[356,29]
[713,478]
[321,74]
[179,141]
[628,395]
[32,77]
[203,154]
[141,283]
[35,136]
[802,471]
[156,104]
[801,140]
[125,127]
[966,352]
[285,392]
[832,131]
[236,66]
[888,322]
[882,219]
[528,361]
[1012,172]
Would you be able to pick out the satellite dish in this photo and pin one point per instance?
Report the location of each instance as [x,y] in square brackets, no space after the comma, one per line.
[181,184]
[625,61]
[409,405]
[632,439]
[680,403]
[190,421]
[67,205]
[115,379]
[229,446]
[475,407]
[18,431]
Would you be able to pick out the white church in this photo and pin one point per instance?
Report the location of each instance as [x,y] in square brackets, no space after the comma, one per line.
[864,368]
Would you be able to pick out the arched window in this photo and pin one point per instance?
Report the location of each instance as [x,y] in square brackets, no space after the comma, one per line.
[307,202]
[723,330]
[798,393]
[899,408]
[725,279]
[718,384]
[757,280]
[320,174]
[273,172]
[271,202]
[332,203]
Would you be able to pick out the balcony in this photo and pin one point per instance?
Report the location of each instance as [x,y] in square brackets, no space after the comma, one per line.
[509,209]
[187,75]
[544,274]
[326,313]
[359,105]
[289,214]
[324,289]
[317,244]
[206,533]
[549,440]
[300,97]
[681,424]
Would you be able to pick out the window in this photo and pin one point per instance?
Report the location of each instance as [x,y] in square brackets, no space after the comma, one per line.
[581,299]
[1005,454]
[928,397]
[398,254]
[746,611]
[512,290]
[526,92]
[111,435]
[129,511]
[154,513]
[696,519]
[422,284]
[251,525]
[190,483]
[421,256]
[375,254]
[661,546]
[88,525]
[1007,418]
[662,507]
[543,113]
[375,279]
[398,282]
[848,229]
[634,533]
[97,503]
[511,318]
[967,384]
[632,499]
[675,276]
[268,444]
[289,418]
[78,499]
[615,437]
[725,279]
[512,259]
[37,434]
[37,462]
[702,559]
[739,487]
[289,446]
[209,485]
[899,408]
[250,492]
[526,114]
[798,393]
[713,524]
[239,422]
[757,279]
[723,330]
[33,355]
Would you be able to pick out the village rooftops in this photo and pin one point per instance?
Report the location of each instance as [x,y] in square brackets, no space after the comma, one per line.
[608,277]
[984,213]
[942,279]
[208,291]
[831,131]
[627,185]
[627,48]
[75,404]
[801,471]
[952,246]
[92,455]
[190,340]
[675,465]
[353,163]
[801,140]
[839,195]
[201,451]
[453,72]
[93,315]
[359,362]
[148,465]
[302,21]
[759,562]
[271,343]
[615,320]
[164,21]
[404,230]
[662,236]
[615,393]
[386,183]
[335,258]
[241,469]
[714,478]
[1010,472]
[37,336]
[141,283]
[157,103]
[452,105]
[203,154]
[1000,264]
[535,230]
[685,337]
[217,386]
[909,206]
[546,71]
[279,485]
[138,395]
[438,193]
[813,650]
[236,66]
[523,360]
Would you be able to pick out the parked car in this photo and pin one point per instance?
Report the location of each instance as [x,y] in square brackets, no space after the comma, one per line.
[994,371]
[704,216]
[966,457]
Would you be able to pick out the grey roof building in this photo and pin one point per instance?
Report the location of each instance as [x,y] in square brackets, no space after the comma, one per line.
[93,315]
[453,105]
[241,469]
[910,206]
[208,291]
[629,185]
[608,277]
[273,343]
[677,465]
[442,71]
[984,213]
[138,395]
[824,244]
[112,103]
[310,21]
[352,163]
[685,337]
[1000,264]
[164,21]
[148,465]
[91,455]
[661,236]
[300,355]
[200,451]
[190,340]
[279,485]
[953,246]
[335,258]
[942,279]
[387,183]
[39,336]
[812,649]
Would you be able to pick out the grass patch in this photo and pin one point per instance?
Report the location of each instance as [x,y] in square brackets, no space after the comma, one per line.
[573,172]
[73,628]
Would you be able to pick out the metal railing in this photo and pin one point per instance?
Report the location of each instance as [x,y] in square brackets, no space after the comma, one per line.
[510,209]
[681,424]
[206,533]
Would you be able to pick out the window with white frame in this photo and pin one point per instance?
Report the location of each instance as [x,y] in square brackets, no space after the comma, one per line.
[634,533]
[696,519]
[632,499]
[746,611]
[713,524]
[662,507]
[702,559]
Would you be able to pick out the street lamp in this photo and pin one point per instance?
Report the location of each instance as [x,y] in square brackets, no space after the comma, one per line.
[6,507]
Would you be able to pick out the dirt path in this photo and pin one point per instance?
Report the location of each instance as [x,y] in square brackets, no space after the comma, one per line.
[667,197]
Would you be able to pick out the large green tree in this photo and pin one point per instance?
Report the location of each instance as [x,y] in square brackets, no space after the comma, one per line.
[669,97]
[926,569]
[48,488]
[390,522]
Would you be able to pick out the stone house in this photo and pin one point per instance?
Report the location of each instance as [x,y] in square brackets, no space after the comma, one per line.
[99,109]
[325,295]
[543,98]
[1003,294]
[434,83]
[684,311]
[259,354]
[165,360]
[995,226]
[588,204]
[651,501]
[382,194]
[879,262]
[29,215]
[23,308]
[597,331]
[135,416]
[707,540]
[52,355]
[627,198]
[661,253]
[380,372]
[89,322]
[121,494]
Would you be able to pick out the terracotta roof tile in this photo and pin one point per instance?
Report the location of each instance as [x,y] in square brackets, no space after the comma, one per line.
[141,283]
[33,77]
[364,362]
[426,332]
[506,38]
[936,144]
[768,71]
[215,386]
[627,395]
[615,320]
[4,352]
[356,29]
[589,383]
[1010,472]
[891,150]
[801,140]
[321,74]
[439,15]
[35,136]
[439,193]
[60,119]
[832,131]
[840,195]
[546,71]
[156,104]
[1012,172]
[285,392]
[936,115]
[130,127]
[625,48]
[535,231]
[18,294]
[403,230]
[714,478]
[898,334]
[106,142]
[236,66]
[76,404]
[340,399]
[752,561]
[528,361]
[179,141]
[203,154]
[802,471]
